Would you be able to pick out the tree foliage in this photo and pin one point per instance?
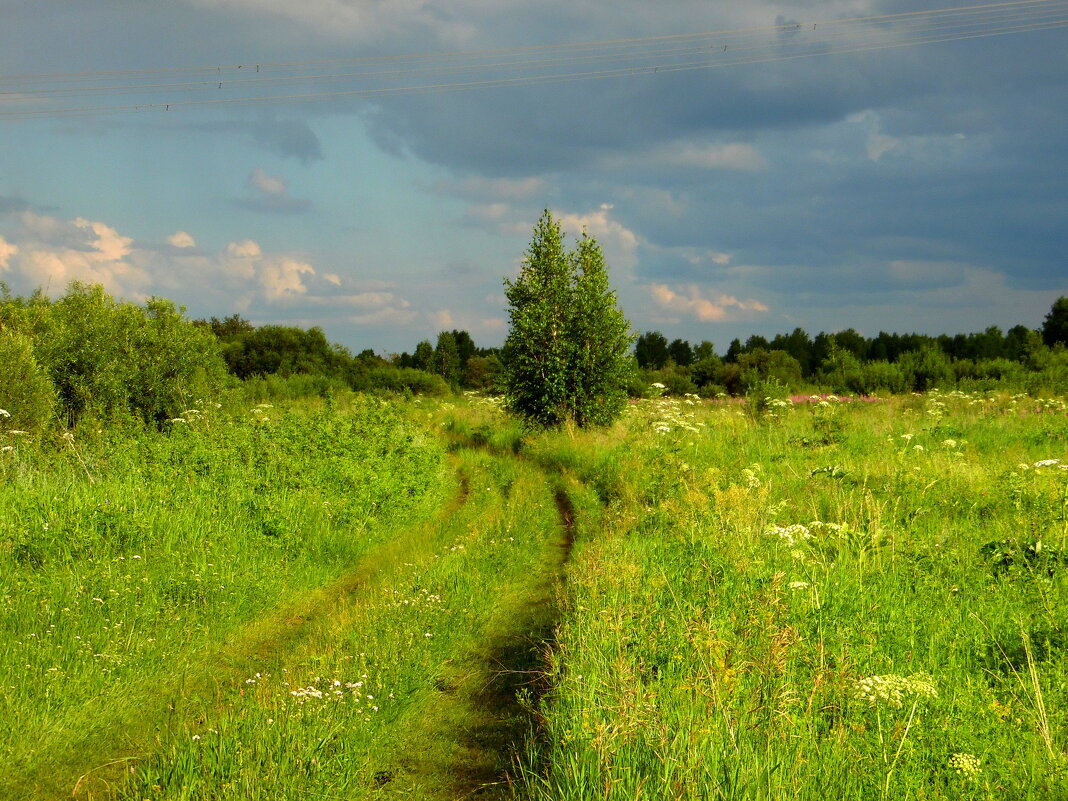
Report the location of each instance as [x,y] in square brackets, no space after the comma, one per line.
[111,359]
[651,350]
[600,339]
[566,355]
[1055,326]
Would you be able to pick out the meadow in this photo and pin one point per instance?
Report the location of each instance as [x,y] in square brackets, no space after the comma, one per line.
[356,598]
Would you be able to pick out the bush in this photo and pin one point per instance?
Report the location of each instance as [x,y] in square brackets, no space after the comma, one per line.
[767,398]
[400,379]
[759,366]
[111,360]
[26,393]
[926,369]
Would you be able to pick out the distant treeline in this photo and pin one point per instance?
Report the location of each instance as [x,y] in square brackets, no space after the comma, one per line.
[844,361]
[258,352]
[848,362]
[89,356]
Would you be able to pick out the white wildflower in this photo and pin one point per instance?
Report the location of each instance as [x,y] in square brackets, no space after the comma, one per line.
[894,690]
[4,413]
[791,535]
[1046,463]
[752,480]
[967,766]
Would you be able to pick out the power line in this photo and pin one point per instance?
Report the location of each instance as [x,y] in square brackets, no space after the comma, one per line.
[38,95]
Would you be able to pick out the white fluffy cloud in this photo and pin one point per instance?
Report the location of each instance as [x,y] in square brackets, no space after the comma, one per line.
[270,194]
[619,243]
[689,302]
[51,252]
[7,250]
[38,250]
[180,239]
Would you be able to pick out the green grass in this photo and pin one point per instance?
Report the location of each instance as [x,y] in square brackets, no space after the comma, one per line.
[421,600]
[128,563]
[717,640]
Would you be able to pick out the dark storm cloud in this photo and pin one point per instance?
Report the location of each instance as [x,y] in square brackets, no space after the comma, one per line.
[291,138]
[12,204]
[909,176]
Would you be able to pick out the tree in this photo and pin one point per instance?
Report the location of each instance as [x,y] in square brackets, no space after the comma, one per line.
[423,359]
[565,358]
[651,350]
[1055,326]
[535,353]
[465,347]
[600,338]
[681,353]
[447,358]
[705,350]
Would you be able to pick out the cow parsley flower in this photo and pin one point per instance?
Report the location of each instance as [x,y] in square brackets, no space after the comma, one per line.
[893,690]
[791,535]
[967,766]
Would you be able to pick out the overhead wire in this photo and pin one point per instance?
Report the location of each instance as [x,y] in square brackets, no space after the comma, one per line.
[36,95]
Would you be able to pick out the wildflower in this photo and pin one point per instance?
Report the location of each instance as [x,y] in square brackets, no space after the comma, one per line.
[752,480]
[4,413]
[966,765]
[7,449]
[658,385]
[798,585]
[949,443]
[1046,463]
[894,690]
[791,535]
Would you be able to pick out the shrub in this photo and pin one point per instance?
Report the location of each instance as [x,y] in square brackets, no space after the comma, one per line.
[111,359]
[400,379]
[26,393]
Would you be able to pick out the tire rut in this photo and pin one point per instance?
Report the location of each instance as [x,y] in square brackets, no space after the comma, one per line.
[495,690]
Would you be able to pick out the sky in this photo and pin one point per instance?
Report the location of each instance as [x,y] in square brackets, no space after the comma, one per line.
[918,187]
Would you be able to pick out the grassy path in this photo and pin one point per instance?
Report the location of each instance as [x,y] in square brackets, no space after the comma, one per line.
[413,675]
[94,762]
[463,742]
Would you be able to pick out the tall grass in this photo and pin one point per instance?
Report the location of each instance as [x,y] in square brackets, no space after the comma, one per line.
[818,601]
[127,557]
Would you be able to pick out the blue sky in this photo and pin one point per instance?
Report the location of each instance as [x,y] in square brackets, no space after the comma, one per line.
[909,188]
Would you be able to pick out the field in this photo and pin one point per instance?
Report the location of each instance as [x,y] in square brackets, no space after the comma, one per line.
[415,599]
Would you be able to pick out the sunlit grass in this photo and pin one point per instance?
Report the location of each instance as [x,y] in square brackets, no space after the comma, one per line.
[126,562]
[764,601]
[769,591]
